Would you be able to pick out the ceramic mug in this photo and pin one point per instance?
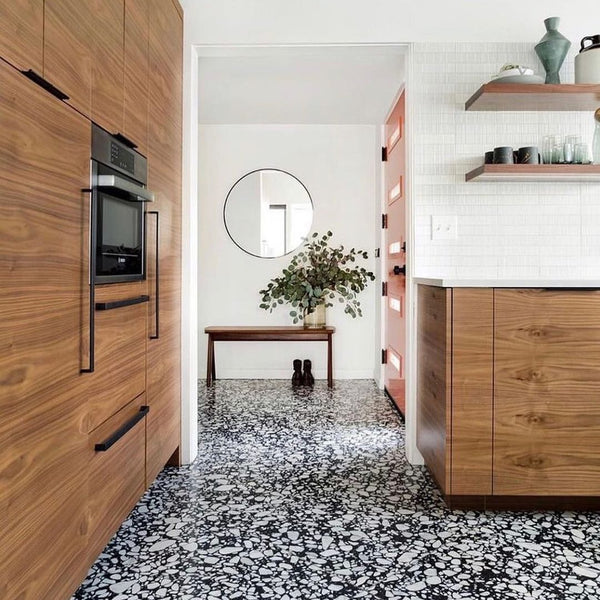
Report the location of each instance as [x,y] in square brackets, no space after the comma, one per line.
[503,155]
[528,155]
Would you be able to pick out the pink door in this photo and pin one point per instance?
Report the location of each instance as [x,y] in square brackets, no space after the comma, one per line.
[395,253]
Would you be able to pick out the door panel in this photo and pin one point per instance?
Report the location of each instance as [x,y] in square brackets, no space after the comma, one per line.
[135,114]
[395,255]
[44,165]
[120,349]
[22,33]
[546,381]
[107,69]
[164,169]
[68,50]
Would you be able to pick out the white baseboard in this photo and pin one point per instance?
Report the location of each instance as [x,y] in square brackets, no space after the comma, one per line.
[228,373]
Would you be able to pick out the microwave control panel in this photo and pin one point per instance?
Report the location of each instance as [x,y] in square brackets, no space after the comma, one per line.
[122,158]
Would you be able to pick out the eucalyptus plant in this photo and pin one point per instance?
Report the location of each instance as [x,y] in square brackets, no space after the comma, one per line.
[317,275]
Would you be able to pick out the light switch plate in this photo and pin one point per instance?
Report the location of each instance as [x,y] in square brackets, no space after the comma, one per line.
[443,228]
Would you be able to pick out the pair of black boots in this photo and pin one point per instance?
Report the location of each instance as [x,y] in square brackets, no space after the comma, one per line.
[301,377]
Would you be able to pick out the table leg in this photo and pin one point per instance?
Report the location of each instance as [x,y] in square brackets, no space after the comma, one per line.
[214,360]
[210,360]
[330,361]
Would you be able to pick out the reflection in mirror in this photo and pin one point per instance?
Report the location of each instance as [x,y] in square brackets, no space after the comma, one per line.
[268,213]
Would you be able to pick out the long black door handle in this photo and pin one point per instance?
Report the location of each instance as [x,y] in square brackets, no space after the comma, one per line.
[92,284]
[121,303]
[119,433]
[156,334]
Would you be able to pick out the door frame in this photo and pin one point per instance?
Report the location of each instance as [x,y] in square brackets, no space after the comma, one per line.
[190,337]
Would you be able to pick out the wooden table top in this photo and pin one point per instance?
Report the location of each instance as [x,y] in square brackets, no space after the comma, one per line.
[261,329]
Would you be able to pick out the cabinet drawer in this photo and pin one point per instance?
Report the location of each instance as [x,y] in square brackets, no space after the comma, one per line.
[116,473]
[120,349]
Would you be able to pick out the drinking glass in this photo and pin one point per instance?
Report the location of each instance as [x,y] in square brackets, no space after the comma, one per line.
[582,154]
[548,143]
[558,154]
[569,148]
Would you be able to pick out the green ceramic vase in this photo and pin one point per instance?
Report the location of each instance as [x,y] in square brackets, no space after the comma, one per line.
[552,49]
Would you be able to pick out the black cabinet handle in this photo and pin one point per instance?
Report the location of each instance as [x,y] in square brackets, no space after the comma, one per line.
[119,433]
[125,140]
[156,334]
[400,270]
[92,275]
[121,303]
[44,83]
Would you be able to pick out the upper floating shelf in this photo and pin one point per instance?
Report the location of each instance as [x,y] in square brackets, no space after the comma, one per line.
[521,96]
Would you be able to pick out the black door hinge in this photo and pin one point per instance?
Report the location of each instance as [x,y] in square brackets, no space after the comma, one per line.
[384,221]
[384,357]
[377,252]
[403,248]
[384,154]
[384,288]
[45,84]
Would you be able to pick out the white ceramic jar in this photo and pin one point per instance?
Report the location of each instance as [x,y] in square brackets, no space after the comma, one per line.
[587,62]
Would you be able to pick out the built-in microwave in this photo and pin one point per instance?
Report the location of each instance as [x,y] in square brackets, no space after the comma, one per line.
[119,178]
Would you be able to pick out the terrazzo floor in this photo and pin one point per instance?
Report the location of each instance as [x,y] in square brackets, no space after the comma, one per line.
[307,495]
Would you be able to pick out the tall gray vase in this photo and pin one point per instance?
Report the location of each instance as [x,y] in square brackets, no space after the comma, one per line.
[552,49]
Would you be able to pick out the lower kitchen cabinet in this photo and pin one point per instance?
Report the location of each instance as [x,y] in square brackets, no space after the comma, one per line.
[116,464]
[507,395]
[120,350]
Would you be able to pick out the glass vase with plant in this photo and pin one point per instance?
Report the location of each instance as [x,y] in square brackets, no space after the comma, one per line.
[315,277]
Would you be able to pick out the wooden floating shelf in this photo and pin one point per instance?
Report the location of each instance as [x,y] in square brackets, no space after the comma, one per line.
[522,97]
[571,173]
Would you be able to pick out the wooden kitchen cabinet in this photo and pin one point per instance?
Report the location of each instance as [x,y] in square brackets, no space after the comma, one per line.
[44,166]
[116,472]
[107,64]
[68,35]
[135,109]
[164,178]
[120,351]
[22,34]
[454,420]
[546,384]
[508,384]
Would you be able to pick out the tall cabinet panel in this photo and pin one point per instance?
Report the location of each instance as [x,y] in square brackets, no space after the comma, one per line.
[164,169]
[107,69]
[21,33]
[68,50]
[44,166]
[135,113]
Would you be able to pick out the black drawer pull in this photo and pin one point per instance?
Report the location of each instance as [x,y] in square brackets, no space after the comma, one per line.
[119,433]
[45,84]
[121,303]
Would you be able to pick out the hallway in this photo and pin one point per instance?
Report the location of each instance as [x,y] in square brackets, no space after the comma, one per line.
[307,494]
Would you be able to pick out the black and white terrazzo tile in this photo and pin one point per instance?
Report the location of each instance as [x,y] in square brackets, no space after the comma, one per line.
[307,495]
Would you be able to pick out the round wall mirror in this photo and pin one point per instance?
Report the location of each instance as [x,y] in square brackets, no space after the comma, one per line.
[268,213]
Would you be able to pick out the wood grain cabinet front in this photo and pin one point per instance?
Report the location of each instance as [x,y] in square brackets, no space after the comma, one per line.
[120,350]
[107,64]
[116,471]
[44,166]
[546,390]
[68,46]
[135,109]
[22,33]
[164,178]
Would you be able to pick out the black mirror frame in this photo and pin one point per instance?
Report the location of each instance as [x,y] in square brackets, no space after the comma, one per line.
[227,199]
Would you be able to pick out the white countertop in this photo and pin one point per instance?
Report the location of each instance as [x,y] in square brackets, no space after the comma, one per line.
[508,283]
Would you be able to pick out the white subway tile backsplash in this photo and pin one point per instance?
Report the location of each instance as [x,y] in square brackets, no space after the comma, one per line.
[504,229]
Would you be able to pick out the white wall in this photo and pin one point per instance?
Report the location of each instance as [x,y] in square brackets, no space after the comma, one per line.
[338,165]
[364,21]
[504,229]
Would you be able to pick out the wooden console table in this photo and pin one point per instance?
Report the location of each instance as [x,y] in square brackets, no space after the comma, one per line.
[267,334]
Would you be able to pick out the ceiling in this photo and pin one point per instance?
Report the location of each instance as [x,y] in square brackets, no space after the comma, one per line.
[299,85]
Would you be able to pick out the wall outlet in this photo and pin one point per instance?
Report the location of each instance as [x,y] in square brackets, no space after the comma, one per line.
[443,228]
